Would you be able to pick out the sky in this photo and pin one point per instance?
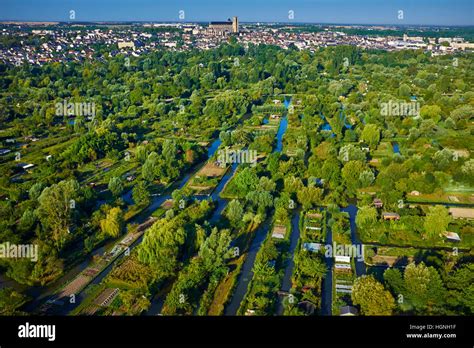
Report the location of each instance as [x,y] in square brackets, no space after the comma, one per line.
[420,12]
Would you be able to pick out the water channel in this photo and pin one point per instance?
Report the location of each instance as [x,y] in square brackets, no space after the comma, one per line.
[246,273]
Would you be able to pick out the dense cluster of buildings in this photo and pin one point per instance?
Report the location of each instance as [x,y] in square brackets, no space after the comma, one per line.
[38,45]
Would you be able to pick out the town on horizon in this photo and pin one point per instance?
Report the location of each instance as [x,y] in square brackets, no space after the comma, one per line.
[136,39]
[270,23]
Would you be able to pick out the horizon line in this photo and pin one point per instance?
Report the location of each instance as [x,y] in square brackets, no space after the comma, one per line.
[2,21]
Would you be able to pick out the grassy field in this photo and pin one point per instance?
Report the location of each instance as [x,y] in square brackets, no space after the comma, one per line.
[207,178]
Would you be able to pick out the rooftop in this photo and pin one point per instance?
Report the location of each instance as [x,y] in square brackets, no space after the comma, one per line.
[462,213]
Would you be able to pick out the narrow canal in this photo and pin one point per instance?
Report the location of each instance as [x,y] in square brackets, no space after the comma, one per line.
[326,287]
[295,236]
[246,273]
[158,300]
[359,263]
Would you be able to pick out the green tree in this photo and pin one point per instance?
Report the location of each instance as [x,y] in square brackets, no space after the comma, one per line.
[35,190]
[431,111]
[57,204]
[394,280]
[311,267]
[443,158]
[140,193]
[351,153]
[112,225]
[245,181]
[141,154]
[366,217]
[436,221]
[115,186]
[10,301]
[366,178]
[467,170]
[180,198]
[215,250]
[404,90]
[150,167]
[266,184]
[460,284]
[234,212]
[463,112]
[161,245]
[350,174]
[293,184]
[424,289]
[372,297]
[371,134]
[27,220]
[309,196]
[260,199]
